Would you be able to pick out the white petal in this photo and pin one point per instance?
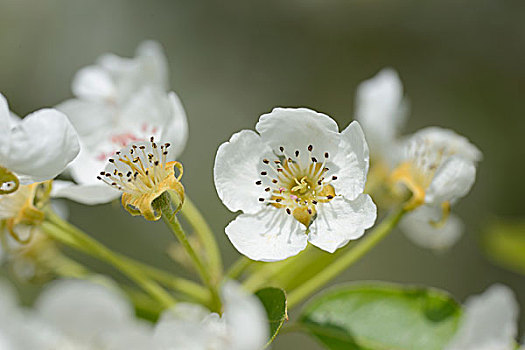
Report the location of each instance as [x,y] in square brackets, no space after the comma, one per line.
[41,146]
[453,180]
[269,235]
[340,221]
[155,65]
[175,130]
[246,318]
[88,117]
[236,170]
[181,328]
[88,164]
[352,162]
[93,83]
[454,143]
[5,124]
[86,194]
[296,129]
[380,109]
[489,321]
[418,228]
[82,309]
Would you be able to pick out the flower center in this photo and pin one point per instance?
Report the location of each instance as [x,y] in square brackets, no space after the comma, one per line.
[295,184]
[139,171]
[143,174]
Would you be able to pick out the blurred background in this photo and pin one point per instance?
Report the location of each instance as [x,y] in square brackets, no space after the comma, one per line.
[462,64]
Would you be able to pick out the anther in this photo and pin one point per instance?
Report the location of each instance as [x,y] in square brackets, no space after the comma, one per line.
[281,149]
[264,173]
[329,196]
[261,199]
[266,161]
[258,182]
[310,148]
[297,153]
[278,200]
[314,159]
[288,211]
[334,177]
[274,181]
[326,155]
[267,189]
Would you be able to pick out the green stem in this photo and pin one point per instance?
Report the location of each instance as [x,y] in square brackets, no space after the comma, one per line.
[78,240]
[362,247]
[203,231]
[184,286]
[164,205]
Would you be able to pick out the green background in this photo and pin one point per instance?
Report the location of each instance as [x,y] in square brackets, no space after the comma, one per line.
[461,62]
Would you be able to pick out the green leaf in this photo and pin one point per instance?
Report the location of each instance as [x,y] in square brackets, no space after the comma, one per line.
[504,243]
[274,301]
[376,315]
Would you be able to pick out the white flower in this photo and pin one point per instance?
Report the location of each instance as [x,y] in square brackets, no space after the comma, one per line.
[381,110]
[119,101]
[73,315]
[489,321]
[298,180]
[91,315]
[438,167]
[243,325]
[36,148]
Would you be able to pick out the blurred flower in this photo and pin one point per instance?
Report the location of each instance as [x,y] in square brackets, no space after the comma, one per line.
[28,251]
[73,314]
[437,165]
[243,325]
[143,174]
[119,101]
[298,180]
[489,322]
[33,149]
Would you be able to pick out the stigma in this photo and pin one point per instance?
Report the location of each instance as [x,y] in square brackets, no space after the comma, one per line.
[297,183]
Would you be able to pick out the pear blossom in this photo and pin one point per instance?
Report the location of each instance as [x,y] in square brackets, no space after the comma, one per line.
[33,149]
[297,180]
[119,101]
[143,173]
[73,314]
[437,165]
[242,326]
[489,321]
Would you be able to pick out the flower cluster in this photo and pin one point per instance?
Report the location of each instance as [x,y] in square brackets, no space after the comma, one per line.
[297,179]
